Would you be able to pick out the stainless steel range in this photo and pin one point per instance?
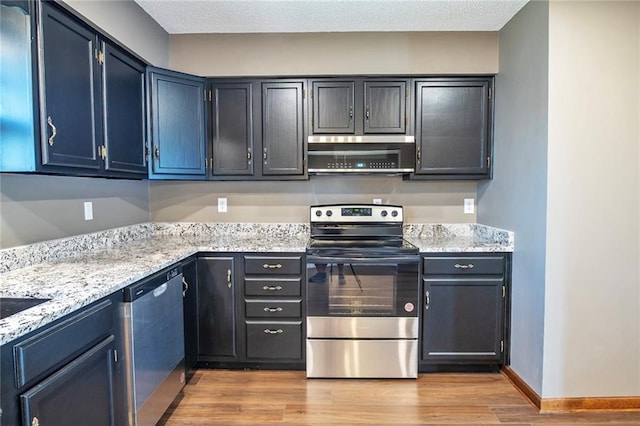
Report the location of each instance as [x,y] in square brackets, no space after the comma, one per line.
[362,293]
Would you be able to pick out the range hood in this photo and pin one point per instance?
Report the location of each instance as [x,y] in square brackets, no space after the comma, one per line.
[379,154]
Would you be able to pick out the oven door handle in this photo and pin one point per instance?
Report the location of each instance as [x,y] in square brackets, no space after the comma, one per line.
[404,259]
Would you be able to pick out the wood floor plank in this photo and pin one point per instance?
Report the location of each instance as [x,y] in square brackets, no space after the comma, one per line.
[231,397]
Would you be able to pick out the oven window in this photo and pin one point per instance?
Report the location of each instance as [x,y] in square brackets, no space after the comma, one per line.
[362,289]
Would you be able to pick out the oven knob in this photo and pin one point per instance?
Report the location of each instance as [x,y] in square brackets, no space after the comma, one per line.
[329,213]
[383,213]
[394,213]
[318,213]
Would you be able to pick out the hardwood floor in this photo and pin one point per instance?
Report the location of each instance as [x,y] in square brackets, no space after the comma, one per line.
[224,397]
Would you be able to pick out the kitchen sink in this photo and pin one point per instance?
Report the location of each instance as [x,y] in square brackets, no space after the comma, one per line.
[13,305]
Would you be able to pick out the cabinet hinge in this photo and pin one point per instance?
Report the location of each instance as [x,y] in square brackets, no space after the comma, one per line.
[102,152]
[147,151]
[211,163]
[504,291]
[490,92]
[99,56]
[488,162]
[501,346]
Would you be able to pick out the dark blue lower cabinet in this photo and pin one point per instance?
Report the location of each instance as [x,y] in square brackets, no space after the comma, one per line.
[82,392]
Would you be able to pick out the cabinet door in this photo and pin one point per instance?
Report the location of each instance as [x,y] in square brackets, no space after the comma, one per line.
[333,107]
[71,92]
[190,293]
[80,393]
[123,111]
[385,107]
[177,124]
[232,127]
[452,127]
[463,320]
[216,307]
[282,129]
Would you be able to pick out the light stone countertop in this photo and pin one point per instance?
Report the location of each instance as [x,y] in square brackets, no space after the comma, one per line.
[76,271]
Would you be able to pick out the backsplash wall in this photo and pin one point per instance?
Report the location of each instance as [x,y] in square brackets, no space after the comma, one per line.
[267,202]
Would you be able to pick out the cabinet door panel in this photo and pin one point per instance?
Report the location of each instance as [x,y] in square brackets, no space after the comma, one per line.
[333,103]
[177,124]
[70,136]
[452,127]
[232,124]
[80,393]
[216,307]
[123,109]
[463,319]
[282,129]
[385,107]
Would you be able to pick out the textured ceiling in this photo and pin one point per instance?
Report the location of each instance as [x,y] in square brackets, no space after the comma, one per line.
[286,16]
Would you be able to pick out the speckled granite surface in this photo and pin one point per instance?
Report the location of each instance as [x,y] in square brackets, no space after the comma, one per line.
[74,272]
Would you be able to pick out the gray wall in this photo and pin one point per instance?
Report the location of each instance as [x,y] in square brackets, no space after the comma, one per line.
[516,197]
[592,294]
[36,208]
[289,201]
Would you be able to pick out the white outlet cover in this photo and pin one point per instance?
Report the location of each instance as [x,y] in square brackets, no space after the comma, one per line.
[222,205]
[88,210]
[469,207]
[377,201]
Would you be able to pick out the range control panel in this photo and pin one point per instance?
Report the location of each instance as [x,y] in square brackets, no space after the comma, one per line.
[357,213]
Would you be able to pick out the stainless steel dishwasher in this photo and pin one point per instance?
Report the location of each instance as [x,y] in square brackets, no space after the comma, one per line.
[153,344]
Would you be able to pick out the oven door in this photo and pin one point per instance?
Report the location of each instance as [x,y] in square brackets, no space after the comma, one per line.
[363,287]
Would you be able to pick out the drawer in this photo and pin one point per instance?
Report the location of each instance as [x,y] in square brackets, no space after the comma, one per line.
[272,286]
[480,265]
[273,308]
[274,340]
[273,265]
[61,343]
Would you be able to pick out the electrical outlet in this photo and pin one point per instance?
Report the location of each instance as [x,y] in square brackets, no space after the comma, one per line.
[469,207]
[222,205]
[377,201]
[88,210]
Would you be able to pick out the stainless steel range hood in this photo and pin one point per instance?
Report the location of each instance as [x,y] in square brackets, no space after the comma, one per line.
[380,154]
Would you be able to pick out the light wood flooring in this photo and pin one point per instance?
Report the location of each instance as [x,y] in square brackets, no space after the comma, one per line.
[223,397]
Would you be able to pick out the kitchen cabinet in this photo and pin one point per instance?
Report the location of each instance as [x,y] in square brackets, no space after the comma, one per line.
[453,128]
[92,118]
[360,106]
[69,363]
[465,309]
[232,129]
[190,314]
[216,309]
[274,309]
[257,129]
[177,131]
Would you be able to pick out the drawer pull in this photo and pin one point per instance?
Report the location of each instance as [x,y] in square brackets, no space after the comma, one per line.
[459,266]
[278,309]
[272,287]
[278,331]
[272,266]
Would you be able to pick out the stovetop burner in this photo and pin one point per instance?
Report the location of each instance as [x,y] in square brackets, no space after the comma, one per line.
[358,230]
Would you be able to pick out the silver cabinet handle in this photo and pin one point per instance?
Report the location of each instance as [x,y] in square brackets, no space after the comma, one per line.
[271,266]
[278,331]
[264,153]
[185,287]
[278,309]
[157,152]
[427,301]
[351,113]
[229,278]
[271,288]
[54,132]
[367,112]
[249,154]
[35,421]
[459,266]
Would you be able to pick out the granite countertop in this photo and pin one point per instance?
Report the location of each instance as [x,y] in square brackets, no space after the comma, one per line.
[76,271]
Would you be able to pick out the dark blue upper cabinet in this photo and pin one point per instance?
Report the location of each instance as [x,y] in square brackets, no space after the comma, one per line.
[176,105]
[76,103]
[124,113]
[71,126]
